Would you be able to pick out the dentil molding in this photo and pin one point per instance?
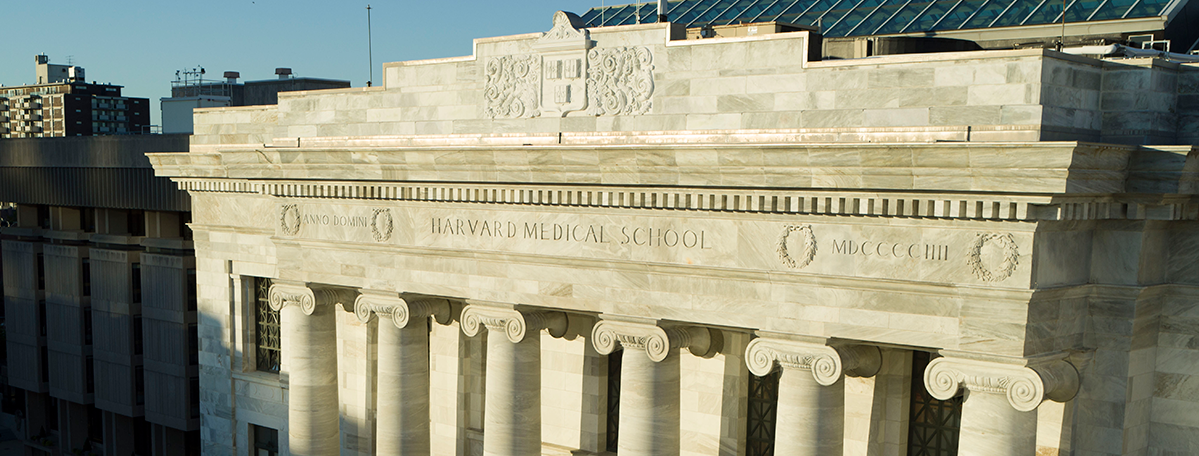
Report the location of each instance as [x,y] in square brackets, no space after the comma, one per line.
[609,335]
[1025,386]
[513,323]
[400,310]
[827,363]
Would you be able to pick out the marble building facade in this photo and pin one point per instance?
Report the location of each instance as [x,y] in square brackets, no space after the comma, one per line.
[591,241]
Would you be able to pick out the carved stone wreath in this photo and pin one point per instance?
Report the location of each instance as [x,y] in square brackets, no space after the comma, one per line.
[803,258]
[994,272]
[382,225]
[289,219]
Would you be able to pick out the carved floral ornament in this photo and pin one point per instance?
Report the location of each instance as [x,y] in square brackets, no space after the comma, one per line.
[611,335]
[308,298]
[1025,386]
[400,310]
[826,363]
[513,323]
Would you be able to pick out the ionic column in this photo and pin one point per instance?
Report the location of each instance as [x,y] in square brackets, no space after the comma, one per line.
[999,415]
[310,357]
[649,380]
[402,394]
[512,411]
[810,418]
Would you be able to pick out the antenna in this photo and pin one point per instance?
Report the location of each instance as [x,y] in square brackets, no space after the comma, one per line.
[1061,43]
[370,53]
[662,11]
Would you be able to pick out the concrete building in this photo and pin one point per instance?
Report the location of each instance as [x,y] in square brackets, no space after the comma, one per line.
[617,240]
[99,300]
[62,103]
[190,91]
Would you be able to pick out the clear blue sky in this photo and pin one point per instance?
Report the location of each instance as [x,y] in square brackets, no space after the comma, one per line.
[140,44]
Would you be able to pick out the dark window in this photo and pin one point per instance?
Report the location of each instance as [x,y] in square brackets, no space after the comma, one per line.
[87,327]
[193,344]
[138,346]
[91,376]
[87,278]
[614,360]
[135,279]
[934,425]
[137,223]
[139,384]
[194,396]
[266,325]
[191,289]
[265,441]
[760,419]
[41,273]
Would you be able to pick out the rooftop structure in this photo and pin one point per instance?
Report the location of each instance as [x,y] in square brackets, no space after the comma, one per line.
[63,104]
[190,91]
[993,23]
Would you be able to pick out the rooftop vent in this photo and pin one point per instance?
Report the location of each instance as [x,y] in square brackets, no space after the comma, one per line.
[283,73]
[231,77]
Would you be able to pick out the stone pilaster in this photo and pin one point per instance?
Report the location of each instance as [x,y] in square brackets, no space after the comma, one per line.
[310,356]
[999,416]
[402,396]
[512,410]
[810,416]
[649,380]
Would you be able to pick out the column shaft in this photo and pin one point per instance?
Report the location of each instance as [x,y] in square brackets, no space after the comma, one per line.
[512,415]
[991,427]
[811,416]
[311,357]
[649,404]
[403,389]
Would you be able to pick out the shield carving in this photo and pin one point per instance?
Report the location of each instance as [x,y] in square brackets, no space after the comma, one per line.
[563,52]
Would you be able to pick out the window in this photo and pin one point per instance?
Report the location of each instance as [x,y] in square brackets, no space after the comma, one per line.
[138,345]
[760,419]
[266,325]
[934,424]
[139,384]
[265,441]
[614,360]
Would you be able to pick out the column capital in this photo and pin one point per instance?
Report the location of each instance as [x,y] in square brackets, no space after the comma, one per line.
[511,322]
[401,311]
[1025,385]
[826,362]
[657,341]
[283,294]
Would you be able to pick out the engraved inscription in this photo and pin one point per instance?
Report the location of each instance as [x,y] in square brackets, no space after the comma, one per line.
[646,236]
[899,250]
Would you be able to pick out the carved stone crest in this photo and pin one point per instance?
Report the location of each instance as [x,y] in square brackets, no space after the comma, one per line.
[993,256]
[564,60]
[382,224]
[568,75]
[289,219]
[803,257]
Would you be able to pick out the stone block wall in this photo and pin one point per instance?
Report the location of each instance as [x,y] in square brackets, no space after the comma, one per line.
[1173,423]
[1139,102]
